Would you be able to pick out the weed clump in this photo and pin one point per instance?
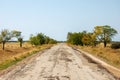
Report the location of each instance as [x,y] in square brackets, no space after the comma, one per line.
[115,45]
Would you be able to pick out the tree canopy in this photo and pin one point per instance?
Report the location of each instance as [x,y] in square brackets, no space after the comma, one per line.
[104,33]
[17,34]
[40,39]
[100,34]
[4,37]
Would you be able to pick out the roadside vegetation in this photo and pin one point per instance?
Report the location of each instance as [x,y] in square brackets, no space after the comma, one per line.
[98,43]
[12,52]
[100,34]
[40,39]
[6,35]
[111,56]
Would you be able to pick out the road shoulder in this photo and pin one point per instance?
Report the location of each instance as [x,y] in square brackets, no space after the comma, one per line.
[113,70]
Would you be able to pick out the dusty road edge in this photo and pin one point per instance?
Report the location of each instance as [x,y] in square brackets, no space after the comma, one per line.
[23,63]
[113,70]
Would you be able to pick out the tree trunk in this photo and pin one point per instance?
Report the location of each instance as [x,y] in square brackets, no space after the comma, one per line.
[3,45]
[105,43]
[94,43]
[21,44]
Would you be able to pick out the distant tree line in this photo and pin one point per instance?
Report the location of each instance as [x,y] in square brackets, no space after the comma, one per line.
[40,39]
[100,34]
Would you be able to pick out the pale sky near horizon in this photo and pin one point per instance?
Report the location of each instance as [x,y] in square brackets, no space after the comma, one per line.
[55,18]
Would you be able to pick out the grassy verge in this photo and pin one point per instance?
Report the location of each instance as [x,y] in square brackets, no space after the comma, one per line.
[18,57]
[111,56]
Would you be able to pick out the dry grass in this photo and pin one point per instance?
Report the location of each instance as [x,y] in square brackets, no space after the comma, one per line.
[12,49]
[13,53]
[111,56]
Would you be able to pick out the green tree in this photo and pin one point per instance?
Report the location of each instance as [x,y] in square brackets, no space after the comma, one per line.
[52,41]
[20,39]
[86,39]
[94,39]
[4,37]
[39,39]
[69,37]
[47,39]
[89,39]
[75,38]
[34,40]
[104,33]
[17,34]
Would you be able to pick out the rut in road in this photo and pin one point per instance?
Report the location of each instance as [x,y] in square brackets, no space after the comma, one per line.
[60,62]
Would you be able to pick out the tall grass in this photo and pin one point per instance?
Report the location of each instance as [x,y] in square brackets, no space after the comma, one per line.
[111,56]
[11,61]
[16,57]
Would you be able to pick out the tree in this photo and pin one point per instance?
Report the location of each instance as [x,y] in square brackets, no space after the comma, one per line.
[4,37]
[34,40]
[52,41]
[89,39]
[104,33]
[47,39]
[20,39]
[39,39]
[86,39]
[75,38]
[69,37]
[17,34]
[94,39]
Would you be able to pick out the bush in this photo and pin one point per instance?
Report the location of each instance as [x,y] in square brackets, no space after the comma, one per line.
[40,39]
[115,45]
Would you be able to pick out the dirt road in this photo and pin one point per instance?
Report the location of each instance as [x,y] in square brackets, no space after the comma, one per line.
[58,63]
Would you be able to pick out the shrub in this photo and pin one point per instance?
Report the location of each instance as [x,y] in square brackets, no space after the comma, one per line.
[115,45]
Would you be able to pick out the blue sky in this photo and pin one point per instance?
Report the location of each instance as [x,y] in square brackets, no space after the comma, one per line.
[56,18]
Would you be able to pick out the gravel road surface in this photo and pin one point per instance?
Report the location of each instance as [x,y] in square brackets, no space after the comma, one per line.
[60,62]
